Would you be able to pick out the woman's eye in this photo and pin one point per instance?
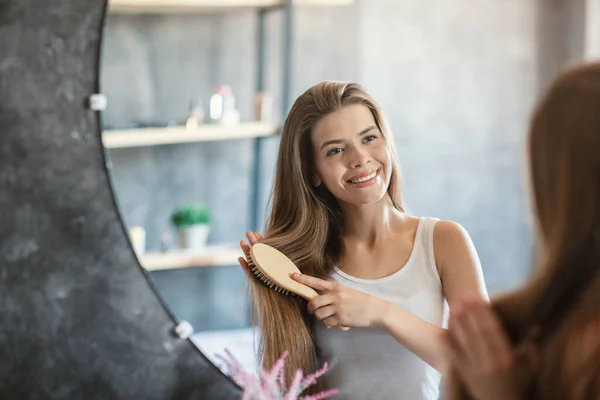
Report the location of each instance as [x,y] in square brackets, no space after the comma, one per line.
[370,138]
[334,151]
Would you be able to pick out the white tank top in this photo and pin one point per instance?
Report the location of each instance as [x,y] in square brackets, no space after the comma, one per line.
[368,363]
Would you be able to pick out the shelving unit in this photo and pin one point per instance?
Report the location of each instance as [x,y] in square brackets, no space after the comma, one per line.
[256,131]
[203,6]
[180,134]
[212,256]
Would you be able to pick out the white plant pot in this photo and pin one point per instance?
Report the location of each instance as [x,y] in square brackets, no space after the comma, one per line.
[194,237]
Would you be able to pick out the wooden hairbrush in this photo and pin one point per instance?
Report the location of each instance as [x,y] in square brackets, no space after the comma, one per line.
[274,269]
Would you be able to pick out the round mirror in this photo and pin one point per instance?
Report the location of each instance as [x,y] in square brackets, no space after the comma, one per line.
[197,91]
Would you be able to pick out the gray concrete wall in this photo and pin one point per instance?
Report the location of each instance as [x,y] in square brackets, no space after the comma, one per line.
[561,33]
[592,18]
[457,79]
[153,65]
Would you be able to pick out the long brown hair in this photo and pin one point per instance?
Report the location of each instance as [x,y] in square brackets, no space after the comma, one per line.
[305,222]
[554,320]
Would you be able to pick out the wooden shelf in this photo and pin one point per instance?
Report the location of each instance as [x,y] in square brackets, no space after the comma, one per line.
[212,256]
[200,6]
[180,134]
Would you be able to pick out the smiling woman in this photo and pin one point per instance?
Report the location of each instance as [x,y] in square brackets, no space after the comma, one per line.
[337,213]
[349,157]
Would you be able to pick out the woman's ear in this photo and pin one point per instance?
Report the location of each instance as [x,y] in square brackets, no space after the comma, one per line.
[316,181]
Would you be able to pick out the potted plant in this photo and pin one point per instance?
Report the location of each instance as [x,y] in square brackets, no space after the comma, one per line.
[193,224]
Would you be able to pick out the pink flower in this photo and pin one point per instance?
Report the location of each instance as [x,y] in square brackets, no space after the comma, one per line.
[270,385]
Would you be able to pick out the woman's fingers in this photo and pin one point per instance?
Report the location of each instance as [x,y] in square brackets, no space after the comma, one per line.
[479,343]
[319,302]
[243,264]
[245,267]
[451,355]
[328,316]
[480,351]
[325,312]
[460,334]
[332,321]
[493,342]
[245,247]
[315,283]
[253,237]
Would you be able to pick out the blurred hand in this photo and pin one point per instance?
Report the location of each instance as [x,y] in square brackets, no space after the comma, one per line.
[479,351]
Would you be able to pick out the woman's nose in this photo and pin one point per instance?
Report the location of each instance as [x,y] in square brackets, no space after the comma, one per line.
[359,158]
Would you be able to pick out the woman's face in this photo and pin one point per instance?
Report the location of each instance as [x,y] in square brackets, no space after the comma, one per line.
[351,156]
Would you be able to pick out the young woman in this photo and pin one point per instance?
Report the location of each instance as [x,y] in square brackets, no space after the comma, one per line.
[337,213]
[543,341]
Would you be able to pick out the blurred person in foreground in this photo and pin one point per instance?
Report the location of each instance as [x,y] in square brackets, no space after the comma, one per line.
[543,340]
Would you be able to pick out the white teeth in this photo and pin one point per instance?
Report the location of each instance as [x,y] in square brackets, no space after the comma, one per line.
[364,179]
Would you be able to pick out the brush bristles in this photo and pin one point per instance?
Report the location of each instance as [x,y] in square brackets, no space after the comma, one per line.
[265,279]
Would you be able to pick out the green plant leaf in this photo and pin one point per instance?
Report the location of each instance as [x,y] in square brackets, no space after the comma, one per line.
[191,214]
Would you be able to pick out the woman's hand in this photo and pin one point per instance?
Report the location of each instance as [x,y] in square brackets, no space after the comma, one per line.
[253,237]
[338,305]
[479,351]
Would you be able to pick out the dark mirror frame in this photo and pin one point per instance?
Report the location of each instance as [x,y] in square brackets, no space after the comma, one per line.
[78,316]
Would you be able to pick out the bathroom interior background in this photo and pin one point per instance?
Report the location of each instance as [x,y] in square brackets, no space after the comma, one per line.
[456,78]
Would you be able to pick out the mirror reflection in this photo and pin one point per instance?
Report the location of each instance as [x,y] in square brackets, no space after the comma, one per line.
[190,134]
[392,183]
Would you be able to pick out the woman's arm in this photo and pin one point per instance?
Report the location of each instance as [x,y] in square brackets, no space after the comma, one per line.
[484,361]
[479,351]
[461,274]
[341,305]
[457,262]
[414,333]
[460,271]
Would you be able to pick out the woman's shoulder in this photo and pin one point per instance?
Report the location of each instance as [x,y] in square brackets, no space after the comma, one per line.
[452,246]
[448,236]
[446,231]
